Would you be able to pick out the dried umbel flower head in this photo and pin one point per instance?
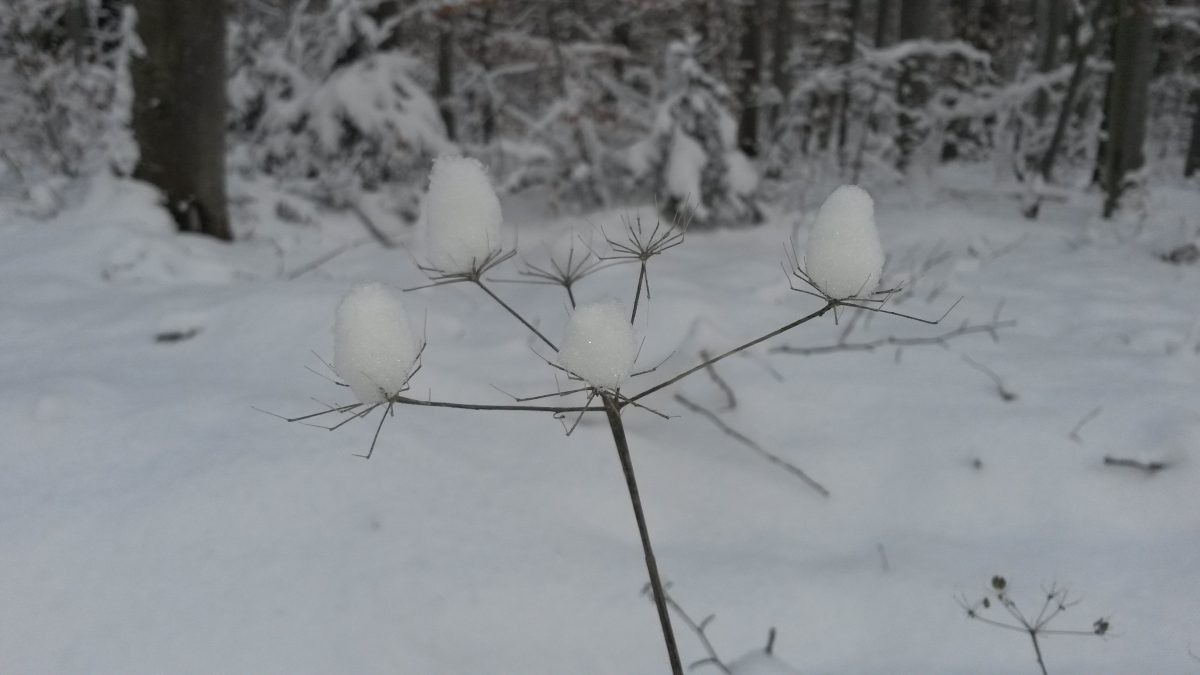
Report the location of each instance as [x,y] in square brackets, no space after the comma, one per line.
[599,346]
[462,216]
[844,258]
[374,348]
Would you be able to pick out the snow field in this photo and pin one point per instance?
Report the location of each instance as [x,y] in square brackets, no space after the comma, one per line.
[151,521]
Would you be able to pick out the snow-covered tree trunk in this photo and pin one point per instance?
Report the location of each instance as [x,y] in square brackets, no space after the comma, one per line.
[179,110]
[1133,64]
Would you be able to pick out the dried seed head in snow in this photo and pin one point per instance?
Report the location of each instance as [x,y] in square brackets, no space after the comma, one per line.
[373,344]
[599,345]
[760,663]
[844,258]
[462,216]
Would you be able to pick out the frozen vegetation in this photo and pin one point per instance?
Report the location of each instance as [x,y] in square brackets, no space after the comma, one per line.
[152,521]
[599,346]
[462,216]
[373,344]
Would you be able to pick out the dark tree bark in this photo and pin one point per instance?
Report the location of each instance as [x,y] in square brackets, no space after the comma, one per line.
[1133,65]
[781,52]
[484,57]
[1080,51]
[918,19]
[917,22]
[1051,20]
[179,110]
[445,72]
[885,14]
[1192,165]
[850,49]
[750,60]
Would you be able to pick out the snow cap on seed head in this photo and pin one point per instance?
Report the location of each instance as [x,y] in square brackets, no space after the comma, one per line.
[373,344]
[462,215]
[599,345]
[844,258]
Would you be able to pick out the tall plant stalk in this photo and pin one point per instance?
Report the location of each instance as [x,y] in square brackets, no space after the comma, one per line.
[613,409]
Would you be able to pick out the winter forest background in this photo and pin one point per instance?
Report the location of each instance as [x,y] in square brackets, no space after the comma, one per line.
[920,480]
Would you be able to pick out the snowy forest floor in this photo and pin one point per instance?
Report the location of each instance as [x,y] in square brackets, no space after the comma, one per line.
[152,522]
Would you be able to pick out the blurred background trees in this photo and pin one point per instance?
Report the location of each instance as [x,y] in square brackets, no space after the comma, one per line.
[723,105]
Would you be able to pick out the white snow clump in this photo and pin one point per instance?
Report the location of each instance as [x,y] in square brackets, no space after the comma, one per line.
[760,663]
[373,344]
[599,345]
[844,258]
[462,215]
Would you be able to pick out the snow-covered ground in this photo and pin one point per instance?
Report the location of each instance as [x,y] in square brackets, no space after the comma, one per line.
[151,521]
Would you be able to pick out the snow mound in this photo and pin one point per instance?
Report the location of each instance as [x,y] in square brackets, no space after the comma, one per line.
[760,663]
[462,215]
[373,344]
[844,258]
[599,345]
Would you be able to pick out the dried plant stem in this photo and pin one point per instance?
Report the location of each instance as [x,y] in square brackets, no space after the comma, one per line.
[750,443]
[613,408]
[637,293]
[515,313]
[708,362]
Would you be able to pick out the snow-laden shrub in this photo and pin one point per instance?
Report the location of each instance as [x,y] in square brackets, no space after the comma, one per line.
[327,111]
[373,344]
[864,119]
[65,108]
[462,216]
[599,346]
[844,258]
[690,157]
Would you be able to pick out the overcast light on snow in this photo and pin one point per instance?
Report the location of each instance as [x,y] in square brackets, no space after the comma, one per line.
[499,337]
[154,522]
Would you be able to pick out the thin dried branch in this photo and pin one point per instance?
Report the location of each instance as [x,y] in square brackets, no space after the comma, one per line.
[1095,412]
[706,363]
[1006,394]
[730,399]
[942,340]
[750,443]
[700,629]
[1150,468]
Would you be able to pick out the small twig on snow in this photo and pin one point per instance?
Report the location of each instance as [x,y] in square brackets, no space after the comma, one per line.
[749,443]
[1006,394]
[1074,435]
[1150,468]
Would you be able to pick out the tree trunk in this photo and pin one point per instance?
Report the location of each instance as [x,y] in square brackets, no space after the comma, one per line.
[445,73]
[750,59]
[1192,165]
[848,54]
[1051,19]
[885,14]
[1133,64]
[917,22]
[179,110]
[781,52]
[1080,50]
